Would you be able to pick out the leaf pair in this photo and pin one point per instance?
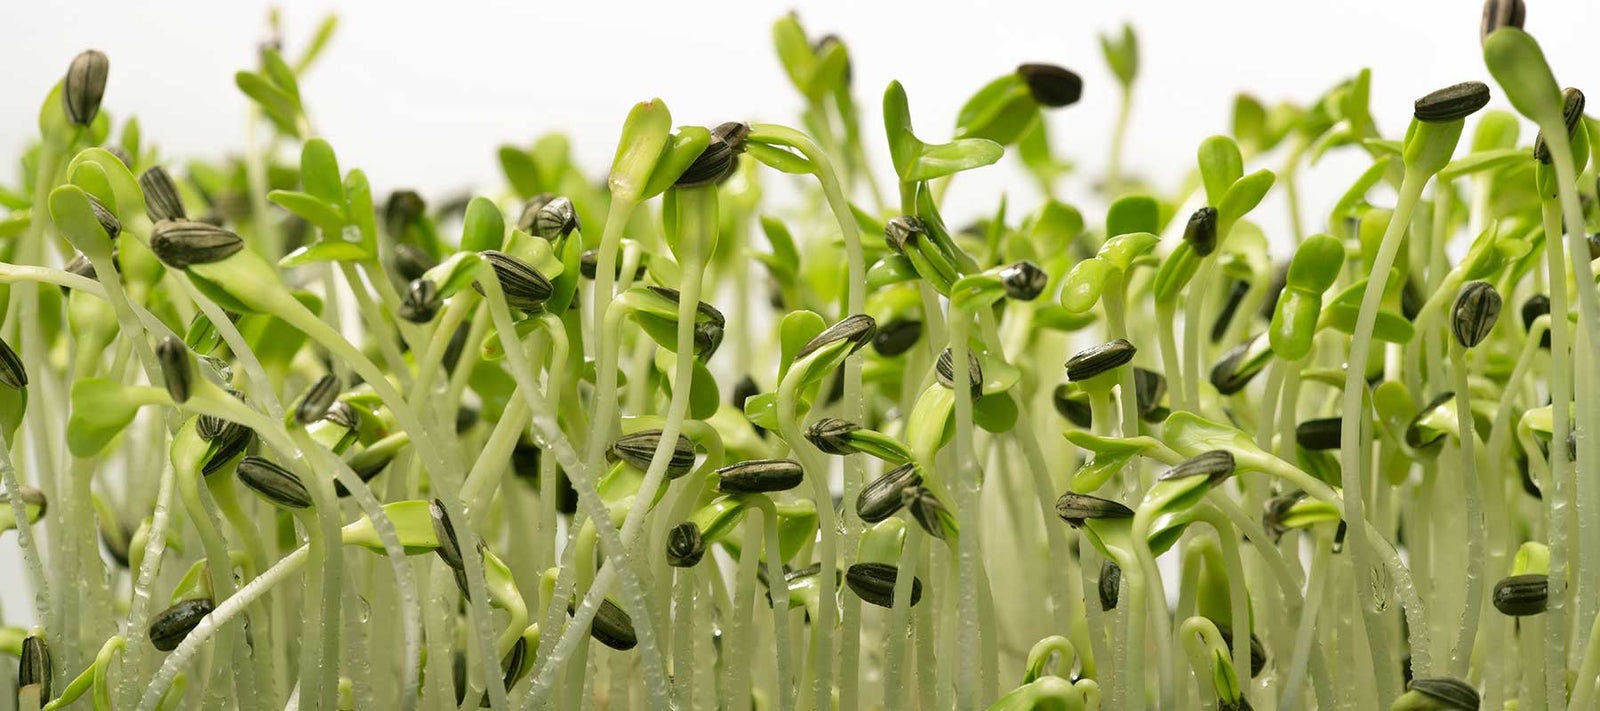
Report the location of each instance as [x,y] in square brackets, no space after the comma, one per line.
[276,90]
[340,207]
[916,161]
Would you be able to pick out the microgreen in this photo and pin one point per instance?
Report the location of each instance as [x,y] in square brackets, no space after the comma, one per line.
[721,497]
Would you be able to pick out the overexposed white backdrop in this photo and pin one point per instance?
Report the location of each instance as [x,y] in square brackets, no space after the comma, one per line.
[420,94]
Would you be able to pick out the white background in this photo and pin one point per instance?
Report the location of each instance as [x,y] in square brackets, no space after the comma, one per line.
[420,94]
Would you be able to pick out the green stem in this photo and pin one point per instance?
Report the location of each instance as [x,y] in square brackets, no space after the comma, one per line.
[966,490]
[1461,653]
[1352,469]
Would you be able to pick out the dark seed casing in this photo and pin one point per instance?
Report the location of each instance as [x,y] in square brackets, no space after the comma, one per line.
[1452,102]
[1320,434]
[12,374]
[1258,652]
[1572,102]
[1215,465]
[1522,595]
[702,308]
[318,398]
[1501,13]
[1096,360]
[1073,404]
[34,668]
[177,369]
[420,302]
[84,86]
[857,329]
[161,201]
[760,476]
[638,448]
[896,337]
[524,287]
[107,219]
[1149,387]
[411,261]
[1454,694]
[613,628]
[929,512]
[1024,281]
[403,209]
[181,244]
[881,497]
[946,372]
[1476,309]
[1201,232]
[169,628]
[899,231]
[1230,308]
[831,435]
[1110,584]
[449,549]
[685,546]
[232,441]
[1536,306]
[1238,366]
[556,219]
[874,583]
[1077,508]
[274,483]
[1051,85]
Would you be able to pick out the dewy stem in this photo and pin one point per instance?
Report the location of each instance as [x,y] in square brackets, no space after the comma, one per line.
[1352,469]
[966,491]
[1461,652]
[855,302]
[1589,310]
[697,216]
[827,524]
[583,479]
[446,484]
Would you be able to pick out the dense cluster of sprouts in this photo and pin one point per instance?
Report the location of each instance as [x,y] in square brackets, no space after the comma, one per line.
[660,443]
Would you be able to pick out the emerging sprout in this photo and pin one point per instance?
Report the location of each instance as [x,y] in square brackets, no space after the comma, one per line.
[1096,360]
[760,476]
[882,497]
[274,483]
[1075,509]
[177,369]
[1452,102]
[181,244]
[874,583]
[1051,85]
[639,448]
[685,546]
[1476,309]
[161,201]
[84,86]
[169,628]
[1522,595]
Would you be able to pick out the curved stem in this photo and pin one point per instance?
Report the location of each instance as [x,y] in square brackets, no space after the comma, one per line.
[1353,470]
